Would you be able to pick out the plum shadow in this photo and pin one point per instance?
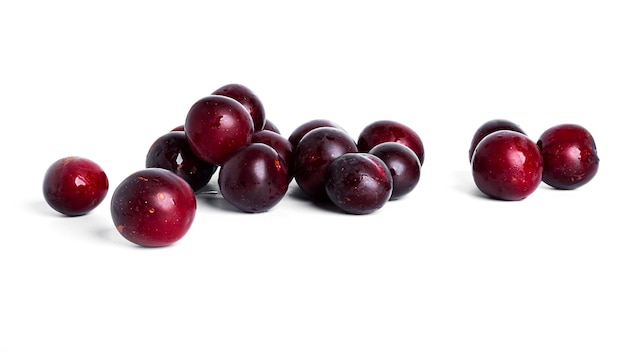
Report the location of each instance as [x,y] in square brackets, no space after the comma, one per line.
[463,183]
[215,200]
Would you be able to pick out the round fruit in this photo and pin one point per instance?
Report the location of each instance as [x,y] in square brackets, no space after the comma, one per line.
[403,164]
[390,131]
[359,183]
[304,128]
[171,151]
[270,126]
[153,207]
[507,165]
[216,127]
[279,143]
[491,126]
[74,186]
[315,151]
[255,179]
[248,99]
[570,156]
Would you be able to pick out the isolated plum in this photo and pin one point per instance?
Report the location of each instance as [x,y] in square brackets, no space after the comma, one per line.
[74,185]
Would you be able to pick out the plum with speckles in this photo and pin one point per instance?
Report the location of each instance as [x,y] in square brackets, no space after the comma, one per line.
[153,207]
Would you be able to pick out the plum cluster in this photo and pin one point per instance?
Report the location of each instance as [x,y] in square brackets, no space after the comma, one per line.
[509,165]
[227,134]
[358,176]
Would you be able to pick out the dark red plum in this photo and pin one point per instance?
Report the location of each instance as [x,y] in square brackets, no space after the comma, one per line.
[390,131]
[153,207]
[248,99]
[570,156]
[74,185]
[255,179]
[279,143]
[315,151]
[491,126]
[172,152]
[403,164]
[216,127]
[359,183]
[304,128]
[270,126]
[507,165]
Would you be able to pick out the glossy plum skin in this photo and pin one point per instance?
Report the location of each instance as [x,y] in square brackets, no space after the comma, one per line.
[359,183]
[279,143]
[248,99]
[271,126]
[172,152]
[491,126]
[570,156]
[299,132]
[507,165]
[315,151]
[403,164]
[255,179]
[74,185]
[153,207]
[216,127]
[390,131]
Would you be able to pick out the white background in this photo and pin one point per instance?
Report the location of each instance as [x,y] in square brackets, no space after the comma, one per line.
[443,269]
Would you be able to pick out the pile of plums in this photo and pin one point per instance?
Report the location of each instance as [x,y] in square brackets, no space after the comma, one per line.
[509,165]
[226,133]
